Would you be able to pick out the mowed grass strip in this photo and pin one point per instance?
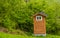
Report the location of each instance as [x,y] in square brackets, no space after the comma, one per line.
[5,35]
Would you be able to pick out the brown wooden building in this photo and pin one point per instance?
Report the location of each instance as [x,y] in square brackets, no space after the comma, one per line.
[39,24]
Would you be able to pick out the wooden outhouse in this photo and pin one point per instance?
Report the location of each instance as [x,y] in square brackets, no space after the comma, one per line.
[39,24]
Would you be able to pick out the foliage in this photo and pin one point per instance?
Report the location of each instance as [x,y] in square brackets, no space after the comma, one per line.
[17,14]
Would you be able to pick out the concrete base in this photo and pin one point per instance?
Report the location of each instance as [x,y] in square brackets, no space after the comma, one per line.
[40,34]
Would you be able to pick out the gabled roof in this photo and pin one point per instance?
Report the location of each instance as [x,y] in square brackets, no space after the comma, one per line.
[41,13]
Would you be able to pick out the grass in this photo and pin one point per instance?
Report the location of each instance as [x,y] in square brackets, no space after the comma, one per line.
[4,35]
[49,36]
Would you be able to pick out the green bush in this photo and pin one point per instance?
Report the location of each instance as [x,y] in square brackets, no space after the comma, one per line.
[17,14]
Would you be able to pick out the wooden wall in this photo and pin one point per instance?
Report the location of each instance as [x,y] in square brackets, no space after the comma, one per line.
[39,26]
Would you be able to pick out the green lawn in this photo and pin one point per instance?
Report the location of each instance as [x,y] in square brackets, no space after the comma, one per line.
[4,35]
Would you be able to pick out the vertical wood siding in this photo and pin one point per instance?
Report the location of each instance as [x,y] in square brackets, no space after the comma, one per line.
[39,26]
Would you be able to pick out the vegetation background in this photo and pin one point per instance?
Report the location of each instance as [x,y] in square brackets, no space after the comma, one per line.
[16,14]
